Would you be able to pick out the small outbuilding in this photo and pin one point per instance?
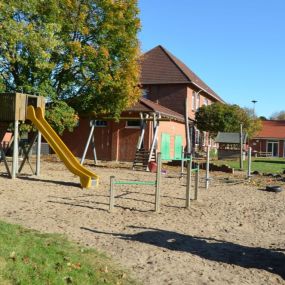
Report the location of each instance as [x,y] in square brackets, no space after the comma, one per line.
[229,145]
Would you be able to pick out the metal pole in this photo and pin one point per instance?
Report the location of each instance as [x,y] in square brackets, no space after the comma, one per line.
[188,182]
[208,167]
[249,163]
[15,150]
[196,183]
[112,194]
[157,185]
[241,148]
[92,123]
[38,163]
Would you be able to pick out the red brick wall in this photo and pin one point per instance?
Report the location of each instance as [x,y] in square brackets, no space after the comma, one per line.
[171,96]
[261,145]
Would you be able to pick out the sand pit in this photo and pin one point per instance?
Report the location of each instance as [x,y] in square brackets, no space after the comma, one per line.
[234,234]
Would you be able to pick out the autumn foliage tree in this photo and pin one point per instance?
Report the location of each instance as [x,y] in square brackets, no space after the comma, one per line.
[219,117]
[84,52]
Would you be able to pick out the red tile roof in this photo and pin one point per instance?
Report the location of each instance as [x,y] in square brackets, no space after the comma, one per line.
[145,105]
[272,129]
[159,66]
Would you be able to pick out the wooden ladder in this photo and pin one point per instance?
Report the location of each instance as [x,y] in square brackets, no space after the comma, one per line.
[141,159]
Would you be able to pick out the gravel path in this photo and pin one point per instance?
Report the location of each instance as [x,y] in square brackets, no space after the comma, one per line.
[234,234]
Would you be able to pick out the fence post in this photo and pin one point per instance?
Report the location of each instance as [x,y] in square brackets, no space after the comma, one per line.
[157,184]
[196,183]
[15,150]
[188,182]
[249,163]
[112,194]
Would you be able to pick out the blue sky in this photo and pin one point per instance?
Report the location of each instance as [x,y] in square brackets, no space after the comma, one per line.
[236,46]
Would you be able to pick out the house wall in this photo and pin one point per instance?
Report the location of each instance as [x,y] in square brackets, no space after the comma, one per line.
[113,142]
[171,96]
[173,129]
[260,145]
[77,139]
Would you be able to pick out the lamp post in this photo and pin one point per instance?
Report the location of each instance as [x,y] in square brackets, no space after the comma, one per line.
[254,102]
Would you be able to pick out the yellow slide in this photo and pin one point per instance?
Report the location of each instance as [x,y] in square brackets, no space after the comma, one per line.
[87,177]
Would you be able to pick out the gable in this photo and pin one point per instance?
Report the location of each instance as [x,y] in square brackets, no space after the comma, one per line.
[158,68]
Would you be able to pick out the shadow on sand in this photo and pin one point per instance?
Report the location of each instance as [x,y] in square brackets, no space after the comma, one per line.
[271,260]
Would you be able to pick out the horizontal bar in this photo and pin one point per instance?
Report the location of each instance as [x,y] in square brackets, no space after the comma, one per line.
[135,182]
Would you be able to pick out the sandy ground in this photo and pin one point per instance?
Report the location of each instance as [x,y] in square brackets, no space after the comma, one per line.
[233,234]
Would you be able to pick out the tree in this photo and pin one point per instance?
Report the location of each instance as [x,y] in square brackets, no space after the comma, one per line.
[219,117]
[278,115]
[84,52]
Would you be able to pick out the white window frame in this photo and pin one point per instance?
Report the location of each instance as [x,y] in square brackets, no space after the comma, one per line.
[198,101]
[274,142]
[133,127]
[193,101]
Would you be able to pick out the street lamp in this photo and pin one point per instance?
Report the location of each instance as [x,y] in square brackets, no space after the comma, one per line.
[254,102]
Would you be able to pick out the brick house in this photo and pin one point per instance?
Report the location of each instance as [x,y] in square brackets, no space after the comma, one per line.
[270,141]
[166,84]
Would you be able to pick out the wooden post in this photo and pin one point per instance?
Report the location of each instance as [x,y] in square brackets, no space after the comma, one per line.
[189,181]
[27,154]
[94,148]
[38,162]
[157,184]
[15,150]
[196,183]
[208,168]
[112,194]
[249,163]
[153,144]
[241,148]
[182,161]
[188,140]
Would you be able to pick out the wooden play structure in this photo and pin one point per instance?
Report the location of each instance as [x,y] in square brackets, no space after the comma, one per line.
[16,107]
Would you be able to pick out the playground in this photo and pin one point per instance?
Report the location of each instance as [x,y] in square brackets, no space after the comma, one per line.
[233,233]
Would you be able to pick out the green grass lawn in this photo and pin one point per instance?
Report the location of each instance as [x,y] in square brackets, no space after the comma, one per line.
[28,257]
[264,165]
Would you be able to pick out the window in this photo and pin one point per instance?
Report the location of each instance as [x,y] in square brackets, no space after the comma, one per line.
[101,124]
[206,102]
[133,124]
[193,101]
[197,136]
[145,93]
[197,101]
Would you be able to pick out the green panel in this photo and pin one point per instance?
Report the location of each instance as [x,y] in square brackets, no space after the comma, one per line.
[178,147]
[165,146]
